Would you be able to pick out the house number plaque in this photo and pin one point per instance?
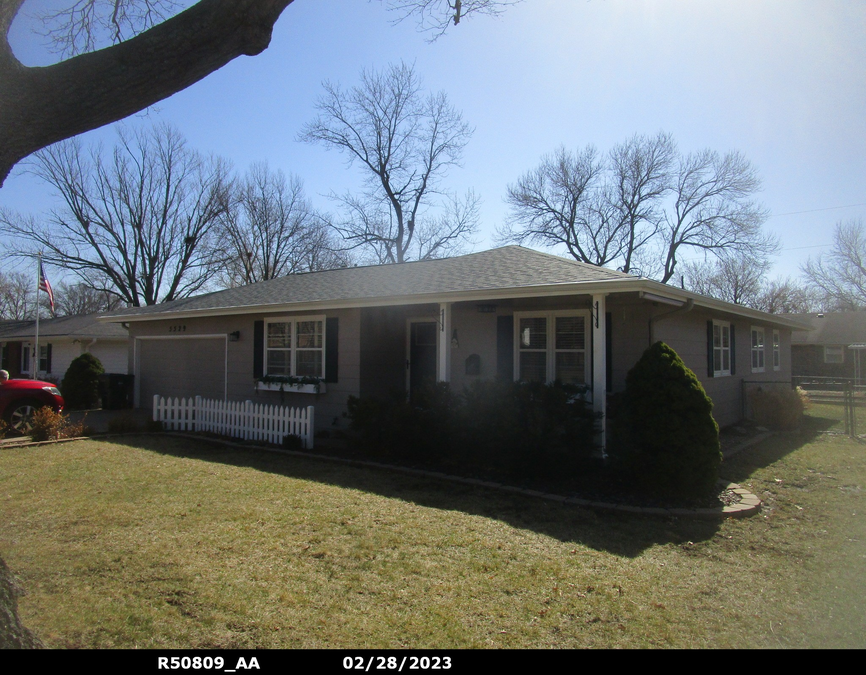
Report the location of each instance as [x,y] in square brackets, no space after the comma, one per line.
[177,329]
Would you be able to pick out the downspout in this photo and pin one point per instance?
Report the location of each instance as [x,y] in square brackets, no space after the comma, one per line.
[687,307]
[93,342]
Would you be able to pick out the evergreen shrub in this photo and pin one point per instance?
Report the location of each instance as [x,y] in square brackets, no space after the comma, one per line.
[80,387]
[665,440]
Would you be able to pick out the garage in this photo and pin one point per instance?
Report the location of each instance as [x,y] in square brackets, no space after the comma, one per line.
[180,367]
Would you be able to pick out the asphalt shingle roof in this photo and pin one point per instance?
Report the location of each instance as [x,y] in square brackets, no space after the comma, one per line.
[77,326]
[509,267]
[832,328]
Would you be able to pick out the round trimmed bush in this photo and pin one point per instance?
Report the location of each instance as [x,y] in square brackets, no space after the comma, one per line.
[665,438]
[80,386]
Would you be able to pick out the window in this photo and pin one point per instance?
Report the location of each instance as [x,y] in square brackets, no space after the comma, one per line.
[834,355]
[777,351]
[552,346]
[295,347]
[721,348]
[44,358]
[757,350]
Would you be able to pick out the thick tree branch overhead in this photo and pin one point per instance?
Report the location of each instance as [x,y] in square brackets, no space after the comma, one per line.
[40,106]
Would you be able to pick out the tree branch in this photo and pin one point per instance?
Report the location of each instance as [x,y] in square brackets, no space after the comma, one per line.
[40,106]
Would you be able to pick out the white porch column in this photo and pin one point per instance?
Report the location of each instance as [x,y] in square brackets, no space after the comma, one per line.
[599,363]
[444,360]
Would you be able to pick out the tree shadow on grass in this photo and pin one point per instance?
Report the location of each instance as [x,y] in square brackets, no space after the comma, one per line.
[621,534]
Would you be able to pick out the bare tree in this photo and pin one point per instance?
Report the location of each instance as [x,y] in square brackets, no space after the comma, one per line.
[71,299]
[405,143]
[434,16]
[41,106]
[841,273]
[641,206]
[563,201]
[742,280]
[713,210]
[271,230]
[641,171]
[17,296]
[784,296]
[733,278]
[136,224]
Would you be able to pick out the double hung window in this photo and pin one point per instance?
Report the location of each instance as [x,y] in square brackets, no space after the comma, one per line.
[295,347]
[757,349]
[552,346]
[721,348]
[834,355]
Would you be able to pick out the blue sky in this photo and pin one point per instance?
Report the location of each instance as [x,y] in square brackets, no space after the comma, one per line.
[782,81]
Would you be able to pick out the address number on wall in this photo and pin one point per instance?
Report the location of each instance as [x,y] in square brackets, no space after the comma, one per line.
[177,329]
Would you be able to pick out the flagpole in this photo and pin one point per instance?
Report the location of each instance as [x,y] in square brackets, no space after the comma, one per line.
[34,364]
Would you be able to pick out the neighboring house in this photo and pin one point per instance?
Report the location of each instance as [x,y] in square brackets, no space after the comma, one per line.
[832,348]
[60,341]
[509,313]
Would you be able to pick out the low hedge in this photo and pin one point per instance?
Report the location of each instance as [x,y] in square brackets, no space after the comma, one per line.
[516,430]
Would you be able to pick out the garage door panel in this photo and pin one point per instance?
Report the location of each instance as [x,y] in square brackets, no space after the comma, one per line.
[181,368]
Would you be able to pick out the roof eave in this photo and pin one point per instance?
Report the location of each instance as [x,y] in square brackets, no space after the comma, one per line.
[601,286]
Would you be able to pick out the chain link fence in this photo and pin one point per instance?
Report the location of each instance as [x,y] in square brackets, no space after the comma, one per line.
[836,404]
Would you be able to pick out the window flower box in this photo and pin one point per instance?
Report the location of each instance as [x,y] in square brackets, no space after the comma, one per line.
[292,387]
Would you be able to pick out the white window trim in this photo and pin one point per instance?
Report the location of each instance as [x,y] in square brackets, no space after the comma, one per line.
[723,372]
[294,320]
[759,351]
[551,340]
[777,350]
[841,354]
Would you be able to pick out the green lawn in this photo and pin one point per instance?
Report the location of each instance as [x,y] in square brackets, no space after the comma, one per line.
[165,542]
[832,415]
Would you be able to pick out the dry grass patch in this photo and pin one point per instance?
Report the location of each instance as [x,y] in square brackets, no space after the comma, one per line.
[166,542]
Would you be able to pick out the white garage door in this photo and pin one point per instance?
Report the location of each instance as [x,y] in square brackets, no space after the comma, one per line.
[181,367]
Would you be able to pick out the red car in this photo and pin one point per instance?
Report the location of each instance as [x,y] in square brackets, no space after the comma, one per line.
[19,399]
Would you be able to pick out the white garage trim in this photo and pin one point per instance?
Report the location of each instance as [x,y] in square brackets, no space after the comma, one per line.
[204,336]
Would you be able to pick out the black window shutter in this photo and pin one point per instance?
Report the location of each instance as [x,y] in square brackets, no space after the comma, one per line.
[48,358]
[733,352]
[258,348]
[505,348]
[332,342]
[710,370]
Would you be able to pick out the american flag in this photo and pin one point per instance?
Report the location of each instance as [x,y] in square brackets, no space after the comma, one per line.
[44,285]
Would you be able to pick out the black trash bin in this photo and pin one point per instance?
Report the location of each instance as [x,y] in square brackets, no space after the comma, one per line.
[116,391]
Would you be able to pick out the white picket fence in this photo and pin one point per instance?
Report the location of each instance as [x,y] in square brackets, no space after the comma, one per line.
[239,419]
